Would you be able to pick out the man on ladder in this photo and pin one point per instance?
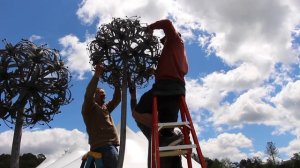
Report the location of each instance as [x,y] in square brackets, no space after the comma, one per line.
[169,86]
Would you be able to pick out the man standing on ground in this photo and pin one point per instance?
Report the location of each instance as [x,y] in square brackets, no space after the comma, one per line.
[100,127]
[169,86]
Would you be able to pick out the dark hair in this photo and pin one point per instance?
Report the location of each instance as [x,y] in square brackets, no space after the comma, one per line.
[99,89]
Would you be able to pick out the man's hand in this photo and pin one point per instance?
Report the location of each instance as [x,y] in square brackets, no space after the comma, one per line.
[132,91]
[99,70]
[149,30]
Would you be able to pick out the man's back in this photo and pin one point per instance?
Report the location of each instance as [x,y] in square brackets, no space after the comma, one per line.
[172,63]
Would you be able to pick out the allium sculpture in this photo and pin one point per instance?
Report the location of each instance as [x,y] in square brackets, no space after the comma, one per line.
[34,83]
[122,45]
[129,55]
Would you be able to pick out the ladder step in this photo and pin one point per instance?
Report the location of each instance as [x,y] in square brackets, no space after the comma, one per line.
[177,147]
[173,124]
[173,153]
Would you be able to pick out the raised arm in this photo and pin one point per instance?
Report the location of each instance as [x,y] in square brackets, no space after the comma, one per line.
[132,91]
[166,25]
[145,118]
[91,88]
[111,105]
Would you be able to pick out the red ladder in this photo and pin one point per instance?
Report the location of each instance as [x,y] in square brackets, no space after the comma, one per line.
[186,126]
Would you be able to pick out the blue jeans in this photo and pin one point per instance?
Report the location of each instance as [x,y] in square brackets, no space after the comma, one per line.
[110,155]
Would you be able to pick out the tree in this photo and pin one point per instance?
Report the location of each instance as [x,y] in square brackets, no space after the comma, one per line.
[226,163]
[4,160]
[41,157]
[27,160]
[34,83]
[245,163]
[257,162]
[296,160]
[272,152]
[128,54]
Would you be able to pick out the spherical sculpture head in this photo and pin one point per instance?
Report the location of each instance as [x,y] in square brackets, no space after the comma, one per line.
[125,44]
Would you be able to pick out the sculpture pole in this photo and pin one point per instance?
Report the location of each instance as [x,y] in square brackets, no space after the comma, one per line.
[123,118]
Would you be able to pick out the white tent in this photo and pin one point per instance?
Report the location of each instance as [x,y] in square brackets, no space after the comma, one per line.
[135,154]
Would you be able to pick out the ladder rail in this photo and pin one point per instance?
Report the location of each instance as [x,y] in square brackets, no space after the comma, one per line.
[186,133]
[195,139]
[155,159]
[186,126]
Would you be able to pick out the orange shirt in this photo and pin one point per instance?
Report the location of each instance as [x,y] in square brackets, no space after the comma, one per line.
[172,63]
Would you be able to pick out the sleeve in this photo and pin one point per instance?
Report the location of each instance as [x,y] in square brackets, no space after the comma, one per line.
[111,105]
[89,94]
[166,25]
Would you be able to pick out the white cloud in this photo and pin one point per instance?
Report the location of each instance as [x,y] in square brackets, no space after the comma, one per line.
[210,92]
[35,38]
[76,54]
[292,148]
[256,32]
[103,11]
[248,108]
[289,99]
[50,142]
[250,105]
[260,155]
[226,146]
[197,96]
[235,79]
[6,141]
[251,31]
[287,102]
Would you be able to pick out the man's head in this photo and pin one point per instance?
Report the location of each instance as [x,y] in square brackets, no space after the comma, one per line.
[100,96]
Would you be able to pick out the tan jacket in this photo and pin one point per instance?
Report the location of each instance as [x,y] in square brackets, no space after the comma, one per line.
[99,123]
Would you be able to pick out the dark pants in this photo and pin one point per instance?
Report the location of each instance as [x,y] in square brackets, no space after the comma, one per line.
[168,97]
[110,155]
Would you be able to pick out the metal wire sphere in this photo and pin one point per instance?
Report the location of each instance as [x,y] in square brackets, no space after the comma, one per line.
[125,44]
[34,78]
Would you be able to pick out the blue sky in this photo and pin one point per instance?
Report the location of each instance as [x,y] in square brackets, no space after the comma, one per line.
[243,86]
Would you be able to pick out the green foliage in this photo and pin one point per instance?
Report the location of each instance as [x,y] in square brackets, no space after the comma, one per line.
[27,160]
[255,162]
[4,160]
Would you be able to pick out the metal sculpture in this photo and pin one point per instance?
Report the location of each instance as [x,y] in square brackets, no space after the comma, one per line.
[128,54]
[125,44]
[34,83]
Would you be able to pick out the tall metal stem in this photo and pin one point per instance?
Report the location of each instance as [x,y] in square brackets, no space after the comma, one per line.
[16,145]
[123,117]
